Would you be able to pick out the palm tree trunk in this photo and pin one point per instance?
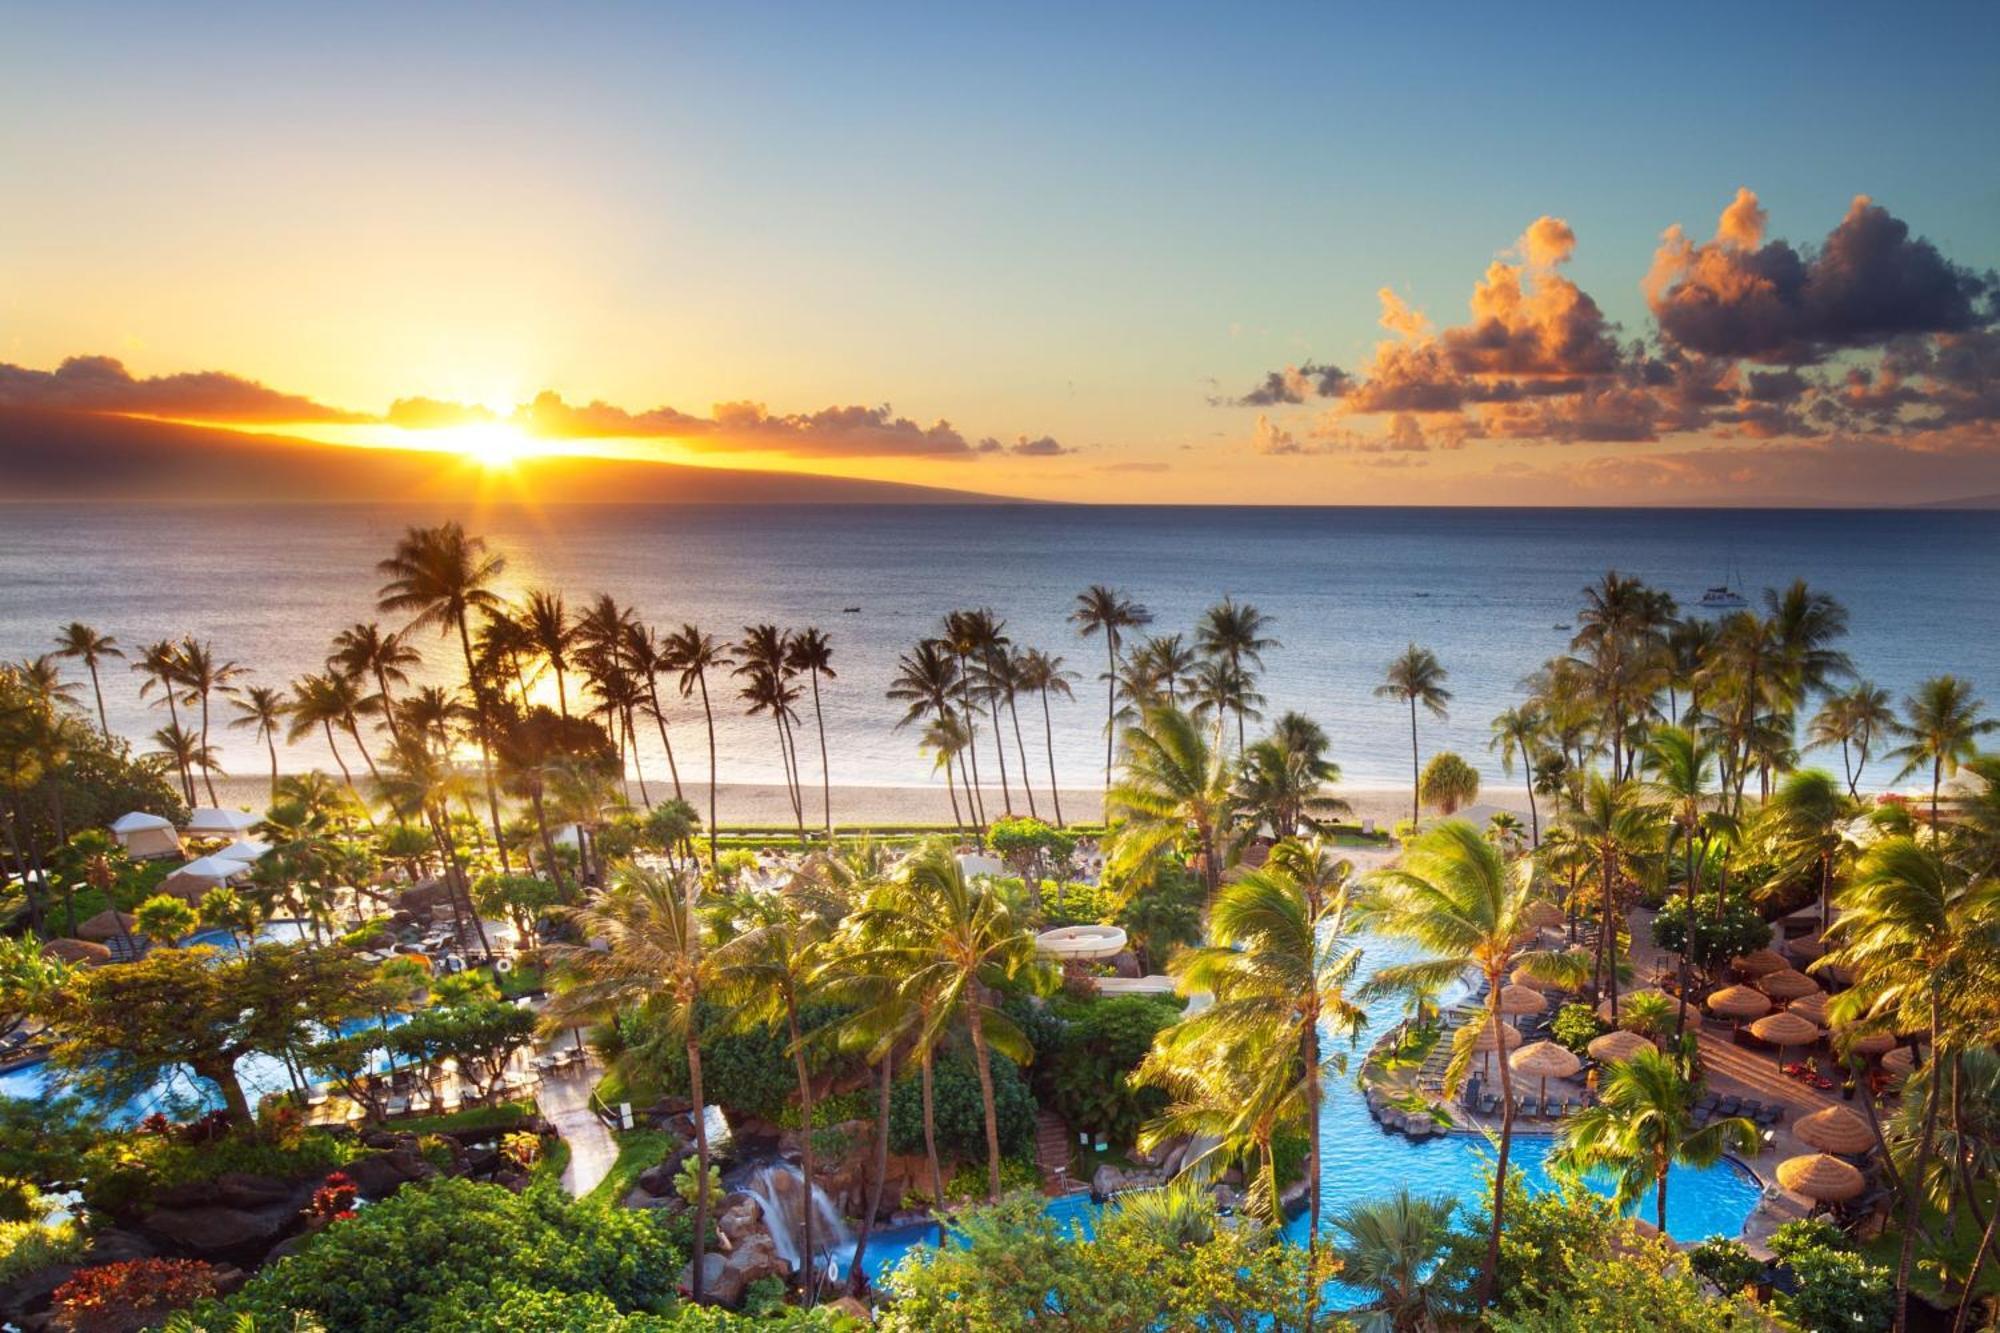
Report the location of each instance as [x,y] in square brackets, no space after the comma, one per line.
[1534,817]
[825,769]
[1913,1203]
[1660,1194]
[660,720]
[485,750]
[1021,748]
[857,1278]
[326,725]
[1110,701]
[1416,778]
[1313,1094]
[208,777]
[791,776]
[930,1144]
[271,744]
[562,691]
[1490,1268]
[638,768]
[701,1166]
[951,790]
[1958,1323]
[103,723]
[979,1053]
[1687,939]
[1610,938]
[548,842]
[1049,741]
[708,714]
[805,1143]
[1000,749]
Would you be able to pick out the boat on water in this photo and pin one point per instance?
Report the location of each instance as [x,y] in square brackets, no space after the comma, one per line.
[1722,597]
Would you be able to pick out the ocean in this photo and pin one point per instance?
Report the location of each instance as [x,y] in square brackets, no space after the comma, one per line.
[1485,589]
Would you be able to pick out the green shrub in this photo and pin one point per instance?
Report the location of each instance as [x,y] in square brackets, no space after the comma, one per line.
[28,1246]
[1807,1233]
[124,1171]
[967,1182]
[961,1116]
[1839,1290]
[1727,1265]
[1738,931]
[1575,1026]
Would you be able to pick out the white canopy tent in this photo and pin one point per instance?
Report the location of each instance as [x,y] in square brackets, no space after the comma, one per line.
[146,837]
[209,822]
[245,850]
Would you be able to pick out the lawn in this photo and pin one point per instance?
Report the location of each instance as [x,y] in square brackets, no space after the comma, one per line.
[638,1149]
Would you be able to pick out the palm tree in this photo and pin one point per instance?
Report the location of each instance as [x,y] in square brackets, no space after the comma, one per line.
[945,740]
[1002,674]
[1283,779]
[1917,933]
[1516,733]
[1046,674]
[202,676]
[1943,720]
[1106,610]
[925,683]
[545,623]
[1454,895]
[1643,1123]
[441,576]
[1224,1098]
[1680,766]
[951,944]
[159,663]
[1175,792]
[1416,677]
[694,655]
[1852,719]
[1620,828]
[1397,1246]
[1282,956]
[79,642]
[811,651]
[263,708]
[649,657]
[652,956]
[321,701]
[973,637]
[1221,689]
[184,750]
[1804,827]
[1236,633]
[1805,624]
[1162,665]
[762,663]
[365,649]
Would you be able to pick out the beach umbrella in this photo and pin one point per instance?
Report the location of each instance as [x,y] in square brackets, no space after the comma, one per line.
[1812,1007]
[1615,1046]
[1785,1029]
[1544,1060]
[1522,1000]
[1604,1009]
[1821,1178]
[1761,963]
[106,926]
[1900,1061]
[76,951]
[1835,1129]
[1487,1041]
[1543,914]
[1521,977]
[1787,985]
[1739,1003]
[1805,948]
[1867,1043]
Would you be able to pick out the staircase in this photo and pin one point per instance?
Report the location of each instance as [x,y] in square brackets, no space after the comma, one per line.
[1052,1154]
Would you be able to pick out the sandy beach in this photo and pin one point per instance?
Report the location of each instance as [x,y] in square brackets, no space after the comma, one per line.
[752,805]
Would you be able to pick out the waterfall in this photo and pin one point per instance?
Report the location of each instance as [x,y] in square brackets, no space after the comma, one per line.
[780,1192]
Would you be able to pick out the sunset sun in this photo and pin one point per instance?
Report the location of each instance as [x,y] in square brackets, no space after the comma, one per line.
[490,444]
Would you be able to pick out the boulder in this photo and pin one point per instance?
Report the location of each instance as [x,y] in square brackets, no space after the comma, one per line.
[216,1231]
[240,1189]
[711,1276]
[739,1217]
[381,1174]
[756,1258]
[1126,964]
[112,1246]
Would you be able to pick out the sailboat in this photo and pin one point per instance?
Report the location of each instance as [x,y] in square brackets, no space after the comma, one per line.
[1727,595]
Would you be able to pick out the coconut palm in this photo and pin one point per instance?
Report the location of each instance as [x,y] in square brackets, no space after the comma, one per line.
[1680,768]
[1852,719]
[80,643]
[1448,783]
[184,750]
[1416,677]
[1919,936]
[1622,829]
[1644,1122]
[262,709]
[419,781]
[763,664]
[1516,733]
[1282,956]
[694,654]
[1806,623]
[321,701]
[951,944]
[1397,1247]
[649,658]
[1804,830]
[366,650]
[1001,676]
[1236,633]
[545,623]
[1283,779]
[159,663]
[1176,792]
[1620,643]
[811,652]
[202,676]
[1162,665]
[926,683]
[652,955]
[945,740]
[1220,689]
[441,577]
[1455,897]
[1224,1100]
[1943,721]
[1107,611]
[1046,674]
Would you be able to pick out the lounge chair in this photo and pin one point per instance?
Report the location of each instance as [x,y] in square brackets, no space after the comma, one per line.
[1770,1115]
[1729,1106]
[1488,1103]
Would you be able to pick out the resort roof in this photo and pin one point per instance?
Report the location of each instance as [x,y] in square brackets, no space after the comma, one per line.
[245,850]
[137,820]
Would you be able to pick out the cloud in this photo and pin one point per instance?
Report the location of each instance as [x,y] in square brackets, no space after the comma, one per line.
[1044,446]
[1870,281]
[434,414]
[1133,465]
[1296,384]
[102,384]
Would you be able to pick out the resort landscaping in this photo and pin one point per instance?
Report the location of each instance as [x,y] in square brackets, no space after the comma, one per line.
[495,1029]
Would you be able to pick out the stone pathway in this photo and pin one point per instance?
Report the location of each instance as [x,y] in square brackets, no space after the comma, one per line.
[564,1101]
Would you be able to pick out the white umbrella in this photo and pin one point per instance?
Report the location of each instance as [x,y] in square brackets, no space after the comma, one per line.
[216,867]
[136,821]
[209,822]
[245,850]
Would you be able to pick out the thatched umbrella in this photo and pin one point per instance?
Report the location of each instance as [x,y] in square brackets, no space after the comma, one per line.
[1812,1007]
[1544,1060]
[1785,1029]
[1787,985]
[1486,1042]
[1543,914]
[1901,1061]
[1805,948]
[76,951]
[1835,1129]
[1615,1046]
[1821,1178]
[1520,976]
[1761,963]
[1739,1003]
[1869,1043]
[1522,1000]
[108,925]
[1604,1009]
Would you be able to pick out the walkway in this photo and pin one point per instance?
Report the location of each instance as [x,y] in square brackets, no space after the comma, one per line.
[564,1101]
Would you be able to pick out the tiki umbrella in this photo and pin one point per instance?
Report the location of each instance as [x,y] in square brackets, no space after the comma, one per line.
[1520,976]
[1821,1178]
[1787,985]
[1522,1000]
[1604,1009]
[1837,1130]
[1543,914]
[1812,1007]
[1782,1029]
[1739,1003]
[105,926]
[76,951]
[1544,1060]
[1805,948]
[1615,1046]
[1869,1043]
[1899,1061]
[1484,1043]
[1761,963]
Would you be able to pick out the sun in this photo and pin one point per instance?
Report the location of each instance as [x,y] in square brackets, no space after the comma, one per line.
[491,444]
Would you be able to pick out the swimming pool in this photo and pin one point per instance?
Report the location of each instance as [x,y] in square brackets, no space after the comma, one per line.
[1365,1161]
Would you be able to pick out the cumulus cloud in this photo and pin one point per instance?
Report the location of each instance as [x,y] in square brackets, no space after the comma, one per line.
[1296,384]
[434,414]
[102,384]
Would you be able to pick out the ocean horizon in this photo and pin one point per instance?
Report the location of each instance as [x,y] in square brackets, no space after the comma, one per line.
[1347,587]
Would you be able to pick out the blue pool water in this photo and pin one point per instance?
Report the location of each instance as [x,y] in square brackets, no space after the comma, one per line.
[1363,1161]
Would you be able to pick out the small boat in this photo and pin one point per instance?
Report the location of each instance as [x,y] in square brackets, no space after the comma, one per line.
[1722,597]
[1564,628]
[850,610]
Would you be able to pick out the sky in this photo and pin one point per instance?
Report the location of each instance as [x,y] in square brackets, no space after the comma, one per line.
[1311,254]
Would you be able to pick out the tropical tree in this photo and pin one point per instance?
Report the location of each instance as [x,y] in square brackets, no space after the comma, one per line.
[1644,1122]
[1416,677]
[811,652]
[763,661]
[1942,723]
[1236,633]
[80,643]
[1283,779]
[1107,611]
[1853,719]
[1455,897]
[652,956]
[649,658]
[159,664]
[262,709]
[1398,1246]
[1516,733]
[1680,766]
[694,654]
[1176,792]
[202,676]
[1804,831]
[367,651]
[1449,783]
[546,626]
[925,683]
[1046,674]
